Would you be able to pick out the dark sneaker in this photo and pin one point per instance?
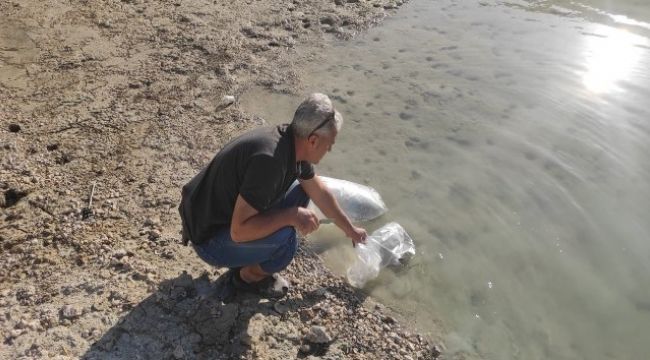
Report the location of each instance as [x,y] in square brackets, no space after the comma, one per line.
[272,287]
[226,291]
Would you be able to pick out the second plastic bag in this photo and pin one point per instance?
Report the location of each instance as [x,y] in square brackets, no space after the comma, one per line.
[389,245]
[359,202]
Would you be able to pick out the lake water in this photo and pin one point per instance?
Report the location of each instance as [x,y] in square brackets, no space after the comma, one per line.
[511,139]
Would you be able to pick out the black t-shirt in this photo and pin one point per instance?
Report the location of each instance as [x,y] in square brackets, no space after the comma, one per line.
[260,165]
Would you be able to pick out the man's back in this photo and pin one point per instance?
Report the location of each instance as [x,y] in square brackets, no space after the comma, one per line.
[259,166]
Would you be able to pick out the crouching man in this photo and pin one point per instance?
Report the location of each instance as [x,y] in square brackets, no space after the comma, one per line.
[243,210]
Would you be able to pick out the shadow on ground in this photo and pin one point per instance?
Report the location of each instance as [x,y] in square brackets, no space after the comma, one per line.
[186,319]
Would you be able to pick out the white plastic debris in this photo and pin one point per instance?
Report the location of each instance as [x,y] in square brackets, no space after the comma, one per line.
[281,284]
[225,102]
[389,245]
[359,202]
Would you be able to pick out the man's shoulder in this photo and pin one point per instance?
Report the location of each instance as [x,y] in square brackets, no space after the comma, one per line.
[265,140]
[262,135]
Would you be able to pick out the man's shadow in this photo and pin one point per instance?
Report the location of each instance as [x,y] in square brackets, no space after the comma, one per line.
[182,318]
[186,318]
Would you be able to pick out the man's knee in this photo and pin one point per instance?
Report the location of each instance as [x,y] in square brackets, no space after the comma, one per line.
[290,243]
[293,244]
[284,254]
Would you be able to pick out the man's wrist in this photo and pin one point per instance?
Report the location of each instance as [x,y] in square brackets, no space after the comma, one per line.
[292,216]
[348,228]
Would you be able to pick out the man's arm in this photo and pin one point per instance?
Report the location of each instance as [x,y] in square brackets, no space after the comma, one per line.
[323,198]
[249,224]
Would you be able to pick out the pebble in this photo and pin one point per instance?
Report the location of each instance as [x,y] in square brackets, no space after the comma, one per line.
[30,325]
[98,307]
[70,312]
[16,333]
[280,308]
[435,351]
[320,291]
[120,253]
[14,128]
[226,101]
[151,222]
[329,20]
[272,342]
[318,335]
[154,234]
[105,24]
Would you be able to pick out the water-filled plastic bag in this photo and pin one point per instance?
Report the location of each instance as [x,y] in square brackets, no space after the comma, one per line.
[389,245]
[359,202]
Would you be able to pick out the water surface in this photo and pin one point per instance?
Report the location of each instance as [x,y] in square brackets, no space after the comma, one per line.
[512,141]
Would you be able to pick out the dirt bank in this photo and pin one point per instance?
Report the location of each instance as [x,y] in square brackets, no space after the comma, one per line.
[106,109]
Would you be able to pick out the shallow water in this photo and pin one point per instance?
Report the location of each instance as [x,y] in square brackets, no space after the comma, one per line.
[512,141]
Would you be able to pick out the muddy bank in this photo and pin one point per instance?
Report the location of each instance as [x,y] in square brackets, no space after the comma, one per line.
[106,109]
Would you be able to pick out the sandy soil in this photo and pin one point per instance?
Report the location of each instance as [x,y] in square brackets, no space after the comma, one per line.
[106,109]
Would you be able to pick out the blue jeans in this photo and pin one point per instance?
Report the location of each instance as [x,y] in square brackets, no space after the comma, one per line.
[273,253]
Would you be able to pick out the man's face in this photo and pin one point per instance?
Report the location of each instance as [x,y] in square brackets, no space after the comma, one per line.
[321,144]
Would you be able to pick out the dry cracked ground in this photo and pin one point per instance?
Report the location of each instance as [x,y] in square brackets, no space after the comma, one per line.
[106,109]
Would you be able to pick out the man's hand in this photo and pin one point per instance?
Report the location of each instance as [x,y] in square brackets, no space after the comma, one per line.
[357,234]
[323,198]
[305,221]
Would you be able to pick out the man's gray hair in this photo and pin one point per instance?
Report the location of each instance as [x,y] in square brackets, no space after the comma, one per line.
[312,113]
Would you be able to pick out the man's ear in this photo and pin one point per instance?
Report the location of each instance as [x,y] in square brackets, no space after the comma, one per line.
[312,139]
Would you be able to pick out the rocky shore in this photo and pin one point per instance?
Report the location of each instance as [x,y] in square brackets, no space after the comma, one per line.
[106,109]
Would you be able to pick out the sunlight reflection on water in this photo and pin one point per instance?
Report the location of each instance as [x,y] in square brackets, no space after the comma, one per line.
[610,56]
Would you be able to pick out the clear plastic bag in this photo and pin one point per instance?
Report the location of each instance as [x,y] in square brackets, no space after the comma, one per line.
[359,202]
[389,245]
